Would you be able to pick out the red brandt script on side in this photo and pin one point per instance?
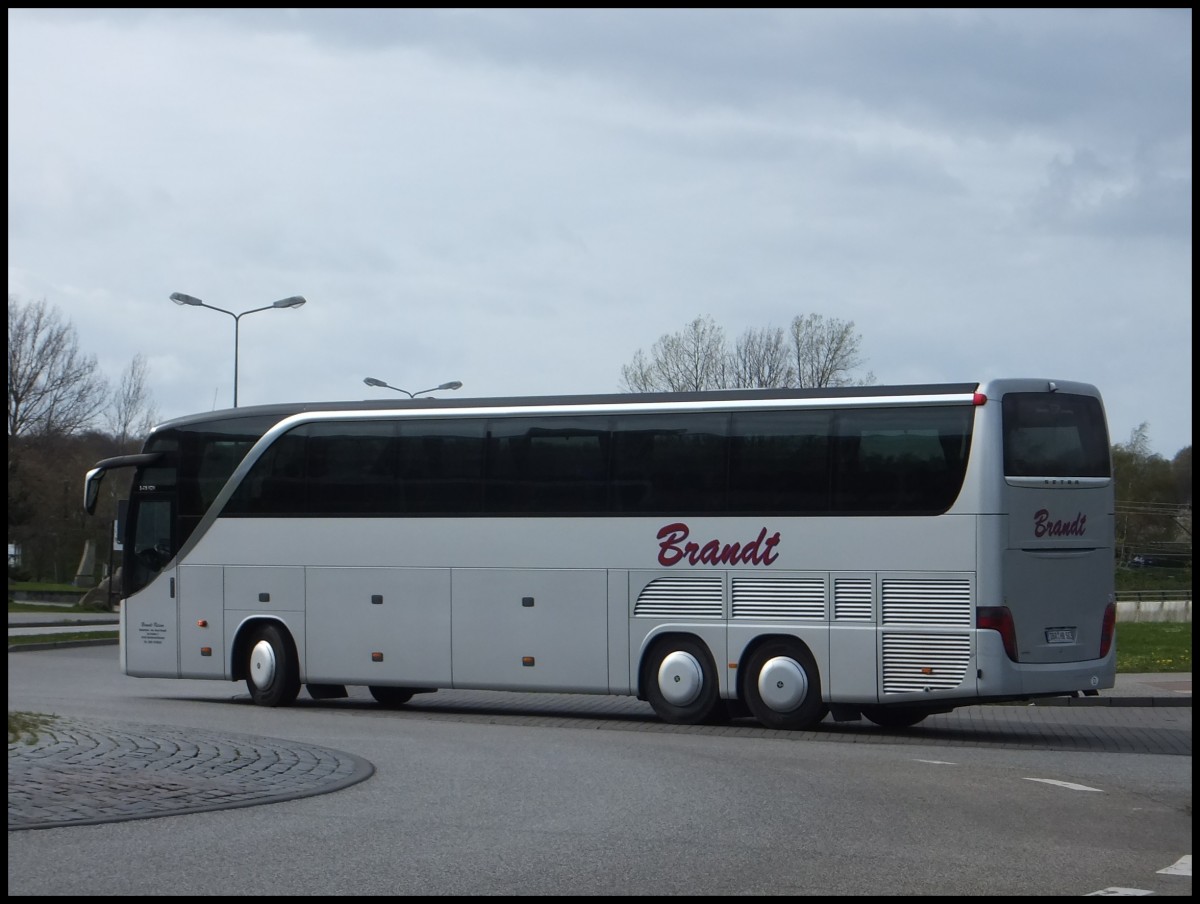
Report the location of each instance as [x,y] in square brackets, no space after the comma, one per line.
[672,548]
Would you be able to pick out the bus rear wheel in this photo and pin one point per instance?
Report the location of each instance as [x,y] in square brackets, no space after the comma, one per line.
[783,686]
[390,696]
[272,673]
[894,716]
[679,680]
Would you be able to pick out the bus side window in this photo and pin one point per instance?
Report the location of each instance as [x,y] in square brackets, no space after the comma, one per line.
[631,450]
[689,465]
[779,465]
[440,467]
[275,484]
[547,465]
[351,470]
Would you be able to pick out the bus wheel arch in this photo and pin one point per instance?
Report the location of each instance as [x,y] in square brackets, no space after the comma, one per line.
[780,684]
[678,677]
[266,658]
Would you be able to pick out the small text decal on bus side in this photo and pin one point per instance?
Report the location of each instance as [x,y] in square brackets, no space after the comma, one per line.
[1044,527]
[672,548]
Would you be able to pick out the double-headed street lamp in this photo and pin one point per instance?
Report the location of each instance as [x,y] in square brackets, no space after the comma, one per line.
[294,302]
[371,381]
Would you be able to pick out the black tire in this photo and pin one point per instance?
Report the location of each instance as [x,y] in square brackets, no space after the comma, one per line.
[894,716]
[783,687]
[390,696]
[679,680]
[272,672]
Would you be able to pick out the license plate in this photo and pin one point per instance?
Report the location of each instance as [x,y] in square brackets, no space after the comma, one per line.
[1060,635]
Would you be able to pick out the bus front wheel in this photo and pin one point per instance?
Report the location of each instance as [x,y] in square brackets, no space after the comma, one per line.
[783,686]
[680,681]
[272,673]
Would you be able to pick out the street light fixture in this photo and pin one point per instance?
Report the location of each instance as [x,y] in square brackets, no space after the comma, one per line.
[294,302]
[371,381]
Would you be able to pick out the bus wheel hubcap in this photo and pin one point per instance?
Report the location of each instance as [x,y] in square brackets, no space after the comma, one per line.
[782,684]
[262,664]
[680,678]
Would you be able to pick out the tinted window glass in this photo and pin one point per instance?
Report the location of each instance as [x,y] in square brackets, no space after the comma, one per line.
[547,465]
[440,466]
[900,461]
[670,465]
[779,462]
[148,544]
[1054,434]
[207,457]
[352,468]
[276,482]
[869,461]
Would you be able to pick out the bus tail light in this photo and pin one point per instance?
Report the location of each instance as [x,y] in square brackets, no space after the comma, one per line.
[1108,629]
[998,618]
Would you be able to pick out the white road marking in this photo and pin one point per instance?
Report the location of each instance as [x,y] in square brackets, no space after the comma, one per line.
[1069,785]
[1119,892]
[1181,867]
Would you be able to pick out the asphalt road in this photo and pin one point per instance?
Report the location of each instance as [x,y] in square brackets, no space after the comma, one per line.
[487,793]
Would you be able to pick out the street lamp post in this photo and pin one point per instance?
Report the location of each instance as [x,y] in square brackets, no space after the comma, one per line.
[371,381]
[294,302]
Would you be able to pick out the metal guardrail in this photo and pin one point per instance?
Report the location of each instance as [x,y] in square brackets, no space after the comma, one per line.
[1150,596]
[1154,606]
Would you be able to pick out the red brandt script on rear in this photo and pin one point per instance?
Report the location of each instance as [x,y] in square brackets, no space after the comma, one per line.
[672,548]
[1044,527]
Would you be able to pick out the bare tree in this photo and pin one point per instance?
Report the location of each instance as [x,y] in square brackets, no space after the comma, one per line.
[52,388]
[815,352]
[131,409]
[691,360]
[759,360]
[638,374]
[825,352]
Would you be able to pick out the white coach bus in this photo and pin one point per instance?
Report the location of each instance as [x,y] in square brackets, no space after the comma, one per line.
[885,551]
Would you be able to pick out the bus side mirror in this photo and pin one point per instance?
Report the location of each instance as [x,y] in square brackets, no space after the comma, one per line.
[91,489]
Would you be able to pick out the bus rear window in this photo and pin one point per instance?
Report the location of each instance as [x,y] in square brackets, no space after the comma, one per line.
[1054,434]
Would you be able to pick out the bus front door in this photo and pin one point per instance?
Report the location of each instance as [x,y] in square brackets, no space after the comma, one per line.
[149,610]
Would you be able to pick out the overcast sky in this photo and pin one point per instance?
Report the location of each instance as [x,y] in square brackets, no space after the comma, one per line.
[522,199]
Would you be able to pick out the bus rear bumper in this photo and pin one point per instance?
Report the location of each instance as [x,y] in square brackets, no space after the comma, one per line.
[999,676]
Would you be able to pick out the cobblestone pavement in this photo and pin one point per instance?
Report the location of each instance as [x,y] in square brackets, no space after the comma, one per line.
[83,773]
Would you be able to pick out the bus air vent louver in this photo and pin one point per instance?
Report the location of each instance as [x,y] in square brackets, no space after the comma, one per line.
[779,598]
[926,602]
[700,597]
[852,599]
[924,662]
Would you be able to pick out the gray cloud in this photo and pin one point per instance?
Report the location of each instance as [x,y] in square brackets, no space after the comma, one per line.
[520,199]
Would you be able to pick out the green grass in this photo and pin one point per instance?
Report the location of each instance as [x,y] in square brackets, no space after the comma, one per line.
[1150,580]
[46,587]
[66,637]
[26,727]
[1154,647]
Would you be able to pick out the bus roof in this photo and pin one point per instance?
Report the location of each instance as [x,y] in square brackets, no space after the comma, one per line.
[285,409]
